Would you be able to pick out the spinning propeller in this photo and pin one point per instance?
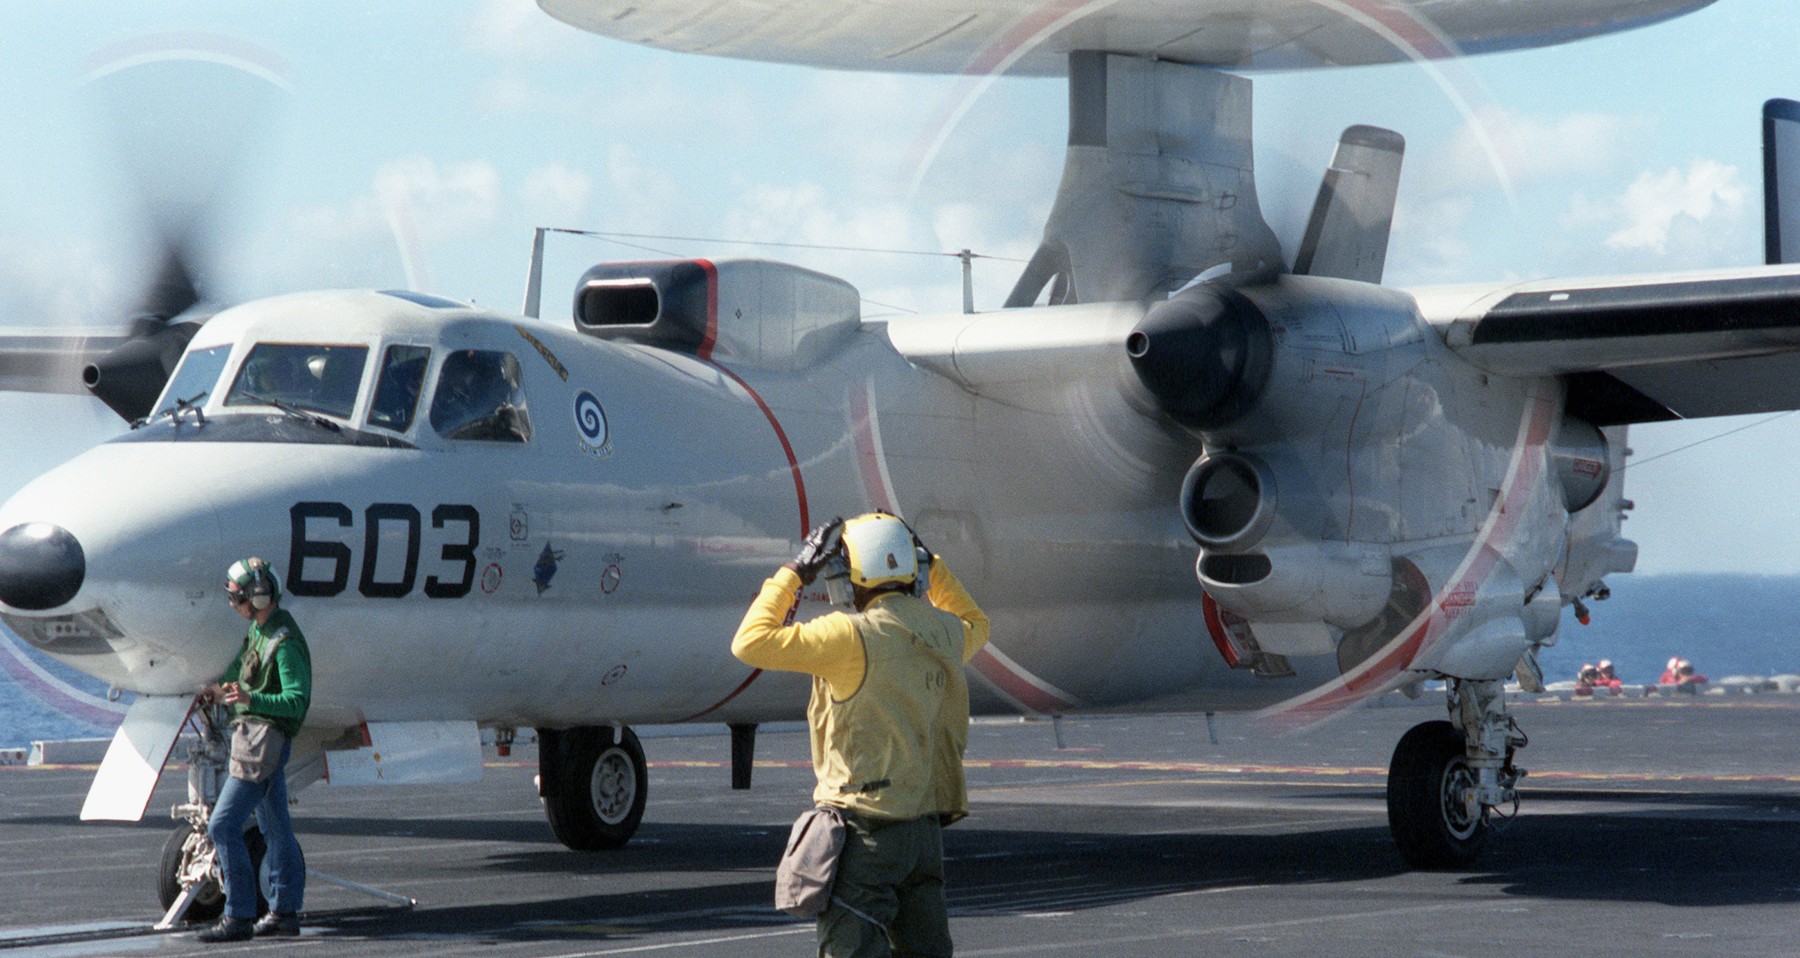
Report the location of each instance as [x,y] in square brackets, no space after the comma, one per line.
[183,110]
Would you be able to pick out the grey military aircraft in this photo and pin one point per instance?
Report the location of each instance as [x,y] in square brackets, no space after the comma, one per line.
[1180,469]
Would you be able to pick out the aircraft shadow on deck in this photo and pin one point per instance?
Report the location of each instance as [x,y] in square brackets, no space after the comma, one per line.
[1683,862]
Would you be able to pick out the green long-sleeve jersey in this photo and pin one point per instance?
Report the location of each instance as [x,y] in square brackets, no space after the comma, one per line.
[279,692]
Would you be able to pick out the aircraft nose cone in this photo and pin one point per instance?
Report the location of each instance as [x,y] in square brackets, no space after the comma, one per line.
[41,566]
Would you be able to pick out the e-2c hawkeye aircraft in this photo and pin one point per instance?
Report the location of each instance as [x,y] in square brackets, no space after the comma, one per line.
[505,521]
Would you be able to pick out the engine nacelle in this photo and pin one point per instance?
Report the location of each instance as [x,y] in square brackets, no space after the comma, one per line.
[1271,567]
[129,378]
[1581,463]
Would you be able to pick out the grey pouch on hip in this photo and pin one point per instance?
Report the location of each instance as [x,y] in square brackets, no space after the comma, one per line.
[808,868]
[255,750]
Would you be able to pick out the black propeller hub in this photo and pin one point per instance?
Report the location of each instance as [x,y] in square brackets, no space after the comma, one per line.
[1204,354]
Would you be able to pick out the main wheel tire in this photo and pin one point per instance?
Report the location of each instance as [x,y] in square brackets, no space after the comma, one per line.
[209,899]
[600,782]
[1427,780]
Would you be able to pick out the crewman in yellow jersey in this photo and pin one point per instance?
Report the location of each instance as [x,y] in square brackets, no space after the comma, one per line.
[890,719]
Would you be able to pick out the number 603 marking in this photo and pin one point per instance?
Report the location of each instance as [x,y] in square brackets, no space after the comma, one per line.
[456,553]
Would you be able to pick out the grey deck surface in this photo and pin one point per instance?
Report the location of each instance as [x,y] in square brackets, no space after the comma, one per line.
[1649,828]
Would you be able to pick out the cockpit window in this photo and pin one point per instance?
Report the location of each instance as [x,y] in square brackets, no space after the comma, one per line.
[479,397]
[301,376]
[197,376]
[397,388]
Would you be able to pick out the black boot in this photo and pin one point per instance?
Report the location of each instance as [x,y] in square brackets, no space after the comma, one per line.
[228,929]
[278,924]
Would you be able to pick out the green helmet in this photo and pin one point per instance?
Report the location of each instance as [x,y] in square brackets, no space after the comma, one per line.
[255,579]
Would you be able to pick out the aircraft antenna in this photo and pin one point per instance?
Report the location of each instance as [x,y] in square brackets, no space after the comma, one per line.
[534,278]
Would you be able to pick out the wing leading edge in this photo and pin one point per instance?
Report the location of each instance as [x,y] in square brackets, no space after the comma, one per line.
[1638,349]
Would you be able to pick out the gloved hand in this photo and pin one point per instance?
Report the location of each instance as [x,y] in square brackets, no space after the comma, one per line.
[820,545]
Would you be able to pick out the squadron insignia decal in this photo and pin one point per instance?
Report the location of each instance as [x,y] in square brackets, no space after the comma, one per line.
[545,570]
[590,424]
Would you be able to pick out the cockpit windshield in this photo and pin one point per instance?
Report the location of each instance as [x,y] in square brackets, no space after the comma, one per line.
[195,378]
[397,387]
[307,376]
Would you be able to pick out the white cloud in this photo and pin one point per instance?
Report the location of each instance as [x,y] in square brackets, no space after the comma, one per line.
[1659,204]
[1503,146]
[557,193]
[457,199]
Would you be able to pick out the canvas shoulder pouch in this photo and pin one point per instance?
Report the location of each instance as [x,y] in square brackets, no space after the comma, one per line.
[809,866]
[255,750]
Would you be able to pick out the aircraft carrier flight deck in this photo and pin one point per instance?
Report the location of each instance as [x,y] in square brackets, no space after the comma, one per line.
[1658,826]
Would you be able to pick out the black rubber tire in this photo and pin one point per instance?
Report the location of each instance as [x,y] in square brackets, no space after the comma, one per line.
[209,904]
[1432,830]
[595,788]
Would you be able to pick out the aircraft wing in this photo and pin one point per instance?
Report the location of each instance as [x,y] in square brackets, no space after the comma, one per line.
[999,36]
[51,361]
[1638,349]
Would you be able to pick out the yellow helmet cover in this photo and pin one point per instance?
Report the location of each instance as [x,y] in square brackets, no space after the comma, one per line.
[880,551]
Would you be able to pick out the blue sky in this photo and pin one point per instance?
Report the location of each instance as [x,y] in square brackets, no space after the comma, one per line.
[469,123]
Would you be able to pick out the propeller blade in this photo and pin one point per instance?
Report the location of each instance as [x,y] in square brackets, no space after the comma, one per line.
[173,291]
[185,110]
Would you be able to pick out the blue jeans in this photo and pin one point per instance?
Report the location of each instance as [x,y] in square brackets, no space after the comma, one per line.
[282,861]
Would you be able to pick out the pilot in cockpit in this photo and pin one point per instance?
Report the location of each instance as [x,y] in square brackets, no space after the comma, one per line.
[479,397]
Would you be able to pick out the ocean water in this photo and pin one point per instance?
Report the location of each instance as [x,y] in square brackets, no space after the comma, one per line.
[1726,625]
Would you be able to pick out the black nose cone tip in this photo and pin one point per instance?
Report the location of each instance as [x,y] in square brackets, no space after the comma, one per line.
[41,566]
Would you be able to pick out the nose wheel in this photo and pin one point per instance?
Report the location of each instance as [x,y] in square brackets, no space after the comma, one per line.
[188,860]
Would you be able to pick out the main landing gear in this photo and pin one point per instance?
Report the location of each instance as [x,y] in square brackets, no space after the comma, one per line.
[1449,780]
[593,780]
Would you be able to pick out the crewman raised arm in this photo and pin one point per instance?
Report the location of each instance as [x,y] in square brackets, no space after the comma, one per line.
[889,715]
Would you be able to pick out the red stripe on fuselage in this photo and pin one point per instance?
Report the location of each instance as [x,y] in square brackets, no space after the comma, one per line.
[787,448]
[1016,686]
[868,454]
[711,337]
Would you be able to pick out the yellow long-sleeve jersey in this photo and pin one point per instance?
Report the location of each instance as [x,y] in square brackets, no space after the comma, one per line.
[890,704]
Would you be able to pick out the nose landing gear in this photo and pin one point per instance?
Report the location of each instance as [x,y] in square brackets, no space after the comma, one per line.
[189,883]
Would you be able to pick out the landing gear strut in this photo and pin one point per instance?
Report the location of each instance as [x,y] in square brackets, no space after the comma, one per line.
[1448,779]
[188,881]
[593,781]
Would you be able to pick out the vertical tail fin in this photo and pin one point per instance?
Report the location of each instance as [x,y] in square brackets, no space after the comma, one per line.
[1781,181]
[1347,236]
